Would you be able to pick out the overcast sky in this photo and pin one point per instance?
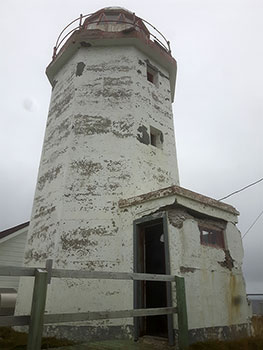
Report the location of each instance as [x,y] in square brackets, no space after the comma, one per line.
[218,107]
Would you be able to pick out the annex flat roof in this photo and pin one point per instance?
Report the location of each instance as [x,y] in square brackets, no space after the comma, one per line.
[177,191]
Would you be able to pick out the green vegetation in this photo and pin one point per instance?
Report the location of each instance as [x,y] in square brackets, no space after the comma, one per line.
[251,343]
[13,340]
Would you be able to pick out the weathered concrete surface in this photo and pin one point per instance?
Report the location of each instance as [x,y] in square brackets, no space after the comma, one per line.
[215,287]
[99,172]
[92,157]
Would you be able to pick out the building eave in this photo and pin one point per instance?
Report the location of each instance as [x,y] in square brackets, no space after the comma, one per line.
[180,194]
[97,38]
[13,232]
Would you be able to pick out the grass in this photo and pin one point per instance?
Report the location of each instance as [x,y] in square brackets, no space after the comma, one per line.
[257,323]
[13,340]
[251,343]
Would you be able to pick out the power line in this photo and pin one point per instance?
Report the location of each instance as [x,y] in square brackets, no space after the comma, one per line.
[242,189]
[250,227]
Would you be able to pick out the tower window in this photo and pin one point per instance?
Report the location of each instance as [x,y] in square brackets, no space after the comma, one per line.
[152,75]
[212,237]
[156,137]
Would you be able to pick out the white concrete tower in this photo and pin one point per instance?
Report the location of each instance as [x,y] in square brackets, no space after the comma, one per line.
[109,136]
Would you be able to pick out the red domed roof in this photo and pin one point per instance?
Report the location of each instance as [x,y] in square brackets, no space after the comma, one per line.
[115,19]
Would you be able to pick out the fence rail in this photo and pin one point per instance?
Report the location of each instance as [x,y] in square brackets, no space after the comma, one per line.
[37,318]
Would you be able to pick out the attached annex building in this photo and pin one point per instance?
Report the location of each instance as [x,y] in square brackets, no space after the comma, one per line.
[108,195]
[12,248]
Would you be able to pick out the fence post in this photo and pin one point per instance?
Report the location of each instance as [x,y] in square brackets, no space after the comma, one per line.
[37,310]
[49,264]
[181,313]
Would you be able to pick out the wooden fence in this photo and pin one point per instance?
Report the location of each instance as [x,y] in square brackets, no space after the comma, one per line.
[37,319]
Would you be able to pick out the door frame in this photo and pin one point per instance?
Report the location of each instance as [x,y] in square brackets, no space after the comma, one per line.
[137,289]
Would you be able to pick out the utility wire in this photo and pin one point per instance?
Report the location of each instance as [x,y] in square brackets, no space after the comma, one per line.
[250,227]
[242,189]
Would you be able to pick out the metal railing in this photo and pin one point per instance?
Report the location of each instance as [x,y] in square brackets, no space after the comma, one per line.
[37,318]
[64,34]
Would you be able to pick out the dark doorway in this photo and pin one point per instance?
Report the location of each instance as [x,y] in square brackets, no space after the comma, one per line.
[155,292]
[151,255]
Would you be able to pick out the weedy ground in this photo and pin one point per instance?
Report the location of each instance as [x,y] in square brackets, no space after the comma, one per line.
[13,340]
[251,343]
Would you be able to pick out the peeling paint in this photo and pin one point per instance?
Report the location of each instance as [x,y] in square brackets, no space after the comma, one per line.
[85,167]
[143,135]
[80,69]
[90,125]
[49,176]
[43,211]
[101,107]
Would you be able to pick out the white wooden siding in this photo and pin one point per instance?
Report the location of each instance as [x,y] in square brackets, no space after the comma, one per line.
[12,253]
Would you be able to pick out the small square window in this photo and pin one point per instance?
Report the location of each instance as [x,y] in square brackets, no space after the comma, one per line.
[152,75]
[212,237]
[153,140]
[156,137]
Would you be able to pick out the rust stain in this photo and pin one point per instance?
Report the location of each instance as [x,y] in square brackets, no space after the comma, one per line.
[235,299]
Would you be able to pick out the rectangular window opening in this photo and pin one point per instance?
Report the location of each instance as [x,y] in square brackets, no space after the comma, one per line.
[156,137]
[212,237]
[152,75]
[153,140]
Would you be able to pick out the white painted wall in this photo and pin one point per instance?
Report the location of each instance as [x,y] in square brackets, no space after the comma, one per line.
[91,159]
[12,254]
[216,295]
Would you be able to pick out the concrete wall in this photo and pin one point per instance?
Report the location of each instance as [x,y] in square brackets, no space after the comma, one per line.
[215,287]
[96,151]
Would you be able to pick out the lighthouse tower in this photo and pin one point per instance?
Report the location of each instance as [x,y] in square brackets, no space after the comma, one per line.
[109,136]
[108,195]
